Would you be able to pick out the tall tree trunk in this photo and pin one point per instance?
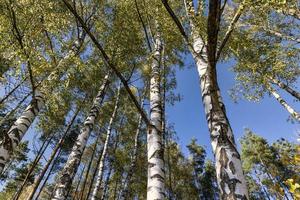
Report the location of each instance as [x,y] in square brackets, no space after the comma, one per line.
[128,180]
[103,156]
[285,87]
[52,156]
[34,164]
[13,90]
[230,176]
[13,137]
[89,166]
[284,103]
[70,168]
[156,173]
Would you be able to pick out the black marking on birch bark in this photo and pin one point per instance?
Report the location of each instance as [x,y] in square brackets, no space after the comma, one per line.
[26,118]
[158,177]
[231,167]
[2,165]
[150,165]
[157,153]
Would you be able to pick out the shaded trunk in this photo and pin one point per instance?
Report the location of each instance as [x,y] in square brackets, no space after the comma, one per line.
[79,181]
[284,103]
[155,151]
[230,176]
[94,175]
[49,174]
[70,168]
[285,87]
[89,167]
[34,164]
[52,156]
[96,190]
[128,180]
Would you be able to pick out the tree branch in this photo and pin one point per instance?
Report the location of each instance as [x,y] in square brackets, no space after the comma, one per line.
[230,29]
[213,23]
[109,63]
[143,24]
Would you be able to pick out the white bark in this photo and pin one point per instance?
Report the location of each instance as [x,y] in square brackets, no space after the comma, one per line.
[230,176]
[286,88]
[17,131]
[295,114]
[103,156]
[70,168]
[156,172]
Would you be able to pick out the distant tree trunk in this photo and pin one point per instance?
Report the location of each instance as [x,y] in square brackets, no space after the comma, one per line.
[39,155]
[128,179]
[262,186]
[94,175]
[70,168]
[156,173]
[89,166]
[10,113]
[284,103]
[75,195]
[285,87]
[13,90]
[110,165]
[230,176]
[52,156]
[106,183]
[49,174]
[103,156]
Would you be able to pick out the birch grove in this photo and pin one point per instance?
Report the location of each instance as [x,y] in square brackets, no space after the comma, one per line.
[151,100]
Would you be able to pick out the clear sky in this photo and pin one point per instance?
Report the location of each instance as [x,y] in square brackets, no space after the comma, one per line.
[266,118]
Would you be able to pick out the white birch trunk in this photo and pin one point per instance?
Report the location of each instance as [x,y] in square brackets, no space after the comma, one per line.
[286,88]
[294,114]
[15,134]
[230,176]
[103,156]
[156,172]
[70,168]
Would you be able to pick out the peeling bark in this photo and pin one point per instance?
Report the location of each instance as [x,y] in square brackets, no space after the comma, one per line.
[70,168]
[103,156]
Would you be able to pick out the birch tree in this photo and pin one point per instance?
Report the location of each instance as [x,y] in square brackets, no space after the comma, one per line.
[71,166]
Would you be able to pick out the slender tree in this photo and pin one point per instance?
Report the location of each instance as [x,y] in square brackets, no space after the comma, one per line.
[70,168]
[100,167]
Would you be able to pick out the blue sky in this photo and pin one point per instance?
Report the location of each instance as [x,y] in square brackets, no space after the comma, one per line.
[266,118]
